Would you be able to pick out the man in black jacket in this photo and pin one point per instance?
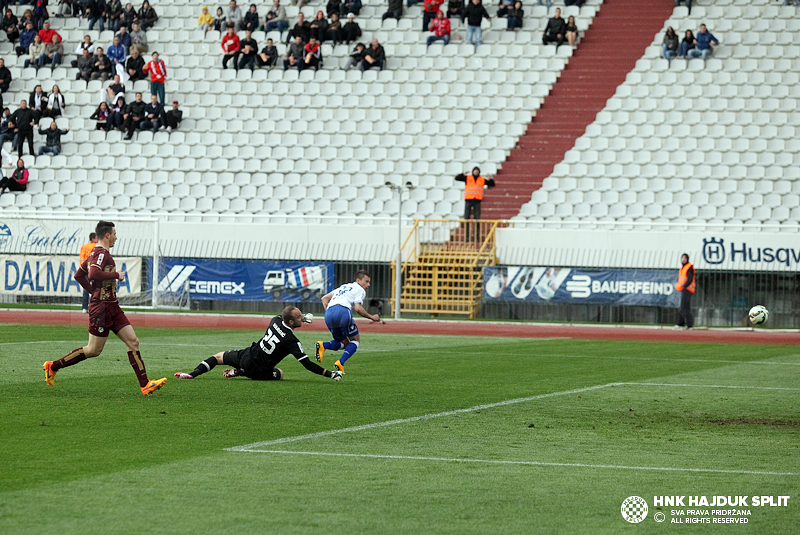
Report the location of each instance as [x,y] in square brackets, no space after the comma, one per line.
[85,65]
[134,66]
[52,143]
[556,30]
[395,10]
[22,122]
[96,11]
[374,56]
[351,31]
[474,15]
[152,114]
[172,118]
[248,49]
[302,29]
[133,116]
[101,68]
[5,76]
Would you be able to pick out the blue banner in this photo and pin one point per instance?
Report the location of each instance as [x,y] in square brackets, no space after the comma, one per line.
[244,280]
[574,286]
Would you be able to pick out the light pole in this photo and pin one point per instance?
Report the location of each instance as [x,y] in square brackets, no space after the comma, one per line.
[398,261]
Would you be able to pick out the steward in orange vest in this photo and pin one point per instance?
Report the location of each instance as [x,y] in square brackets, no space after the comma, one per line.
[473,191]
[86,250]
[686,287]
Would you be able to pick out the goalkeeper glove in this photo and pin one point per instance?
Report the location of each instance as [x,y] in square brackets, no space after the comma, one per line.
[336,375]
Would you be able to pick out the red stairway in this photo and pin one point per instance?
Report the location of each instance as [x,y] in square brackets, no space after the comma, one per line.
[618,36]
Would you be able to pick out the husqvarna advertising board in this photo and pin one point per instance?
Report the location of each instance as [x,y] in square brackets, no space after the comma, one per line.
[245,280]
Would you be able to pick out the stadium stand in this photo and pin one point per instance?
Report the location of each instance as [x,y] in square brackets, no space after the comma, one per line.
[275,145]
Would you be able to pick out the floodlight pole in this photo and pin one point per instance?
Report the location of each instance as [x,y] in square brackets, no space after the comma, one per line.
[398,276]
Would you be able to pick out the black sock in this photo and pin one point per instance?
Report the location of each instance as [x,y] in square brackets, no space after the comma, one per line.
[205,366]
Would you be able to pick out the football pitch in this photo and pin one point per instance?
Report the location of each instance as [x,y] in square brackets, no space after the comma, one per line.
[424,434]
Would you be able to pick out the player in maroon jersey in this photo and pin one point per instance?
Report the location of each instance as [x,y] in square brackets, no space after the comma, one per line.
[98,275]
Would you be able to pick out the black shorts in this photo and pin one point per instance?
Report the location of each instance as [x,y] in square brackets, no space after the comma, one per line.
[243,359]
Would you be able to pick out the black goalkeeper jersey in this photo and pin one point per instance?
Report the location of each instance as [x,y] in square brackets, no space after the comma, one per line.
[277,343]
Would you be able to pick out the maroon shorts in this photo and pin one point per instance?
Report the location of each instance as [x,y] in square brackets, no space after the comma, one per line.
[105,317]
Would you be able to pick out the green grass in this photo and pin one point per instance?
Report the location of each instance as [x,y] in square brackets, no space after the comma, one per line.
[92,455]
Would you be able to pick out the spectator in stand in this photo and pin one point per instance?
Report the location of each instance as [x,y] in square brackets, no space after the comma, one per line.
[35,50]
[52,143]
[474,13]
[47,34]
[22,122]
[440,26]
[395,10]
[96,12]
[555,31]
[374,56]
[134,66]
[350,6]
[114,14]
[455,9]
[351,31]
[429,12]
[248,50]
[356,56]
[172,119]
[334,32]
[28,17]
[85,44]
[312,57]
[158,77]
[571,31]
[40,13]
[686,45]
[129,16]
[152,114]
[689,4]
[56,105]
[38,100]
[100,115]
[332,7]
[133,116]
[147,16]
[669,47]
[18,181]
[138,39]
[116,53]
[6,133]
[234,15]
[5,77]
[205,21]
[115,89]
[10,23]
[276,18]
[85,66]
[25,39]
[318,27]
[230,46]
[704,44]
[515,14]
[65,8]
[294,54]
[268,56]
[503,7]
[250,21]
[220,21]
[101,67]
[302,29]
[116,113]
[579,3]
[547,3]
[299,3]
[124,39]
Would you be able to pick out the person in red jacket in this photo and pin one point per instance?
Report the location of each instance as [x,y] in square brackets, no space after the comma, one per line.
[313,54]
[429,13]
[18,181]
[440,26]
[158,77]
[230,46]
[47,34]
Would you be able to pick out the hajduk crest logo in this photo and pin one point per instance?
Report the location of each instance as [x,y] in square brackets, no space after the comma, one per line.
[634,509]
[5,234]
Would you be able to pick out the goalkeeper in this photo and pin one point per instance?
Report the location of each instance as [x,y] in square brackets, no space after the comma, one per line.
[259,361]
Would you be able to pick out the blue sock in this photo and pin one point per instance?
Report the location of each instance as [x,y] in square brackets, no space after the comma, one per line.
[349,351]
[335,345]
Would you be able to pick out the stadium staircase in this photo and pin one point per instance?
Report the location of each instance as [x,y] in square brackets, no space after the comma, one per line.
[619,34]
[445,276]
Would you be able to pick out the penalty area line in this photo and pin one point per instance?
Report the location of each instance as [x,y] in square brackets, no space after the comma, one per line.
[523,463]
[321,434]
[682,385]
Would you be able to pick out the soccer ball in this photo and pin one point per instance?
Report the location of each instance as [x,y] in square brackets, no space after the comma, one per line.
[758,315]
[308,317]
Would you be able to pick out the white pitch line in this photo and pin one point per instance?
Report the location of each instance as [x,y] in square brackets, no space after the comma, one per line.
[710,361]
[681,385]
[250,447]
[526,463]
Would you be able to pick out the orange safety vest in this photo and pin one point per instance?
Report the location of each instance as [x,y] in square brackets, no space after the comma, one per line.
[683,278]
[474,189]
[86,250]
